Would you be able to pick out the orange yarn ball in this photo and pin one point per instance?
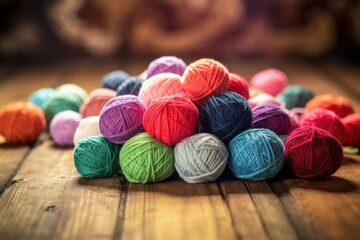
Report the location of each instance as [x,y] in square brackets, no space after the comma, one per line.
[239,85]
[338,104]
[21,122]
[352,129]
[160,85]
[171,119]
[204,78]
[95,102]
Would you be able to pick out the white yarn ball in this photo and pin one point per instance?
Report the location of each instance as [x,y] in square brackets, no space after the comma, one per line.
[263,98]
[200,158]
[87,127]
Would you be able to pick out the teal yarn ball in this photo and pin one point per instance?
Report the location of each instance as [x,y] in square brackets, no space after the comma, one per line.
[40,97]
[295,96]
[200,158]
[144,159]
[96,157]
[59,102]
[256,154]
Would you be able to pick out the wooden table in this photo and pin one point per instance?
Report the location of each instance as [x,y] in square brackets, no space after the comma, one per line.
[42,196]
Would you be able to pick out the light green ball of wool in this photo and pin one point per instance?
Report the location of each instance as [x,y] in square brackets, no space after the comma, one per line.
[144,159]
[72,89]
[61,102]
[96,157]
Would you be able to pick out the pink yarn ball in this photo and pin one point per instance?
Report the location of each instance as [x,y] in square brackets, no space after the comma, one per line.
[96,101]
[63,127]
[271,81]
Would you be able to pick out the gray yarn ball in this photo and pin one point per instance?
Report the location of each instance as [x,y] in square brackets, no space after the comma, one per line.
[200,158]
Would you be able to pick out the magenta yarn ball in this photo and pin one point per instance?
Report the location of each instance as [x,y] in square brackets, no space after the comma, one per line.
[272,117]
[121,118]
[63,127]
[166,64]
[271,81]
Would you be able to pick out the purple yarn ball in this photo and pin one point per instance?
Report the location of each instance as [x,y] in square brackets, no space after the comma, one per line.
[166,64]
[272,117]
[121,118]
[63,127]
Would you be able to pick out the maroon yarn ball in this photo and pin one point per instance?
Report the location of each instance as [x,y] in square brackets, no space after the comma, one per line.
[313,153]
[272,117]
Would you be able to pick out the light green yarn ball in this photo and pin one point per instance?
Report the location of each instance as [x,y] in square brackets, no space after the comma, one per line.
[72,89]
[144,159]
[96,157]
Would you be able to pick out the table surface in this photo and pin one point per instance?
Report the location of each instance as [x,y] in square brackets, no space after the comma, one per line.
[42,196]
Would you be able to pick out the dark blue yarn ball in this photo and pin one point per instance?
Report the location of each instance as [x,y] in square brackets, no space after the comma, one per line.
[130,86]
[225,115]
[113,79]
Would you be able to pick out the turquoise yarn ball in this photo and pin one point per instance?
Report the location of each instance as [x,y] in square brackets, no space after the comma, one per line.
[39,97]
[256,154]
[295,96]
[96,157]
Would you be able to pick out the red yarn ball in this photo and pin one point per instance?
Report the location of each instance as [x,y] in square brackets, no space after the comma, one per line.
[313,153]
[239,85]
[204,78]
[326,120]
[352,129]
[171,119]
[271,81]
[95,102]
[338,104]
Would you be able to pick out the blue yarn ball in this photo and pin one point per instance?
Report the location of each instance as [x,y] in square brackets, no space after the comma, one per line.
[225,115]
[256,154]
[113,79]
[40,96]
[130,86]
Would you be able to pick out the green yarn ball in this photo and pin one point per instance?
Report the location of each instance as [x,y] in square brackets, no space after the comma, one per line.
[295,96]
[59,102]
[144,159]
[73,89]
[96,157]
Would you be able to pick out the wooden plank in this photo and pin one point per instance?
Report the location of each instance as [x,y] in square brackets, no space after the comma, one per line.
[176,210]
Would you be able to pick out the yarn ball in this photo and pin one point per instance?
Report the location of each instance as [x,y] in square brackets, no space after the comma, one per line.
[338,104]
[144,159]
[200,158]
[271,117]
[87,127]
[295,96]
[96,101]
[113,79]
[63,127]
[352,129]
[294,119]
[271,81]
[264,98]
[313,153]
[256,154]
[21,122]
[72,89]
[130,86]
[59,102]
[204,78]
[326,120]
[96,157]
[121,118]
[166,64]
[239,85]
[40,96]
[160,85]
[225,115]
[171,119]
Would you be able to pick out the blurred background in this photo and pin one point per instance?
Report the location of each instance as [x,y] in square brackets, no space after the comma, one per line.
[60,29]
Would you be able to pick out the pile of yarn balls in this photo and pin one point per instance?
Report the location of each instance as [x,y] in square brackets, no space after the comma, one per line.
[197,119]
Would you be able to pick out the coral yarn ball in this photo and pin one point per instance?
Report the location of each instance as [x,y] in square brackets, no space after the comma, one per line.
[271,81]
[171,119]
[205,78]
[63,127]
[166,64]
[121,118]
[338,104]
[326,120]
[352,129]
[313,153]
[21,122]
[239,85]
[96,101]
[160,85]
